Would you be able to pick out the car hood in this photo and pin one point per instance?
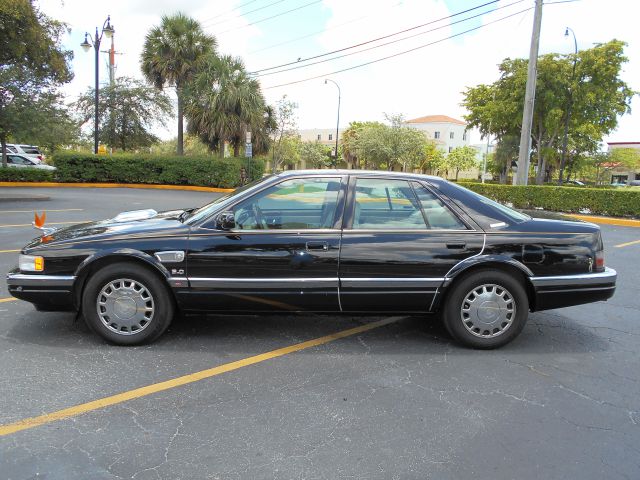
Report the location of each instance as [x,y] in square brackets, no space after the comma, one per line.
[137,223]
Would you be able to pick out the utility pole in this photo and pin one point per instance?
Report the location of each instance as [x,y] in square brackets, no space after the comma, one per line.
[522,175]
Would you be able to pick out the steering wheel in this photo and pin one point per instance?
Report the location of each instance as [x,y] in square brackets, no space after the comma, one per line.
[260,220]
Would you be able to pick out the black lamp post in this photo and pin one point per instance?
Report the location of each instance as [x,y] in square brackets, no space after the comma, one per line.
[569,105]
[107,29]
[335,161]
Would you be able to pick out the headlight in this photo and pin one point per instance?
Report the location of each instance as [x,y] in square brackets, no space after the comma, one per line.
[31,263]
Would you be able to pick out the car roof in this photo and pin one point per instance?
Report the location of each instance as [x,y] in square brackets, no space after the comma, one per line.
[372,173]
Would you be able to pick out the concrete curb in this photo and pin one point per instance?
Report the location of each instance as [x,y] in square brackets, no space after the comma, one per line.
[621,222]
[115,185]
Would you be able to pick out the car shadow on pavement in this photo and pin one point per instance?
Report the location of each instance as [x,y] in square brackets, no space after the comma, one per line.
[544,333]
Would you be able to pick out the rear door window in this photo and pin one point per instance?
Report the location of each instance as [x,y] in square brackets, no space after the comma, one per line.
[386,204]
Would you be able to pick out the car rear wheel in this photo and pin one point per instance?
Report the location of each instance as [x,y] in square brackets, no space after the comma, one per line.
[486,309]
[127,304]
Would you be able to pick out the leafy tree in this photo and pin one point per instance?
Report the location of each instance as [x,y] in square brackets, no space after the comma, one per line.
[371,146]
[50,125]
[627,157]
[193,146]
[316,154]
[284,119]
[507,151]
[127,112]
[224,102]
[462,158]
[288,151]
[599,98]
[32,65]
[434,160]
[377,145]
[349,143]
[172,54]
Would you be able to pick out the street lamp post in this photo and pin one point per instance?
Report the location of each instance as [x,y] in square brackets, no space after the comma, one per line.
[107,29]
[335,164]
[569,105]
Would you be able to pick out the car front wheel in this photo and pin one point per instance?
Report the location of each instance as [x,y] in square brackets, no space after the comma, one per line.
[127,304]
[486,309]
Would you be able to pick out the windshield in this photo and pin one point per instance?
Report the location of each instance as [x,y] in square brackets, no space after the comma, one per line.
[206,210]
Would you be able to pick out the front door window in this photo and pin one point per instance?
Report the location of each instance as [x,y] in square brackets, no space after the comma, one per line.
[297,204]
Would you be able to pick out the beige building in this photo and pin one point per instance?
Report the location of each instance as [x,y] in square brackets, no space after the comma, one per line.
[326,136]
[620,174]
[448,132]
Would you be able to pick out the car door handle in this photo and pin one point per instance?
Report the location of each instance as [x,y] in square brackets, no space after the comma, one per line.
[324,246]
[456,246]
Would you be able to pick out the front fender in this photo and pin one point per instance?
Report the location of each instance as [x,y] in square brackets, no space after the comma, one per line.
[83,268]
[82,271]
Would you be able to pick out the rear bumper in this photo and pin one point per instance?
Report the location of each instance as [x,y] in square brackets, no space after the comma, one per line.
[50,292]
[566,290]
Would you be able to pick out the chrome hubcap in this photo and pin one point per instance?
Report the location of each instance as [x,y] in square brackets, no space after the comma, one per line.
[488,311]
[125,306]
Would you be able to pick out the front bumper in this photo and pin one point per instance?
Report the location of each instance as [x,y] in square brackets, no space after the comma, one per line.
[46,292]
[566,290]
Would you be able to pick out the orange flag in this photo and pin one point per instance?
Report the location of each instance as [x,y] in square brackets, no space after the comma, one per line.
[38,221]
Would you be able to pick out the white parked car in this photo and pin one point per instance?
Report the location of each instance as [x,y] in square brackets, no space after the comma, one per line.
[30,151]
[22,161]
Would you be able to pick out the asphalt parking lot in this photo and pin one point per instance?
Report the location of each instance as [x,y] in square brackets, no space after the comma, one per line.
[393,400]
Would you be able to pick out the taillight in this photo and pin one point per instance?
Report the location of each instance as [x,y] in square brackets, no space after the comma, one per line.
[40,157]
[600,260]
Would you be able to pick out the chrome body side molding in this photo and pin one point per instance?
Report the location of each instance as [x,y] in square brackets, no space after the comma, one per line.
[609,276]
[30,280]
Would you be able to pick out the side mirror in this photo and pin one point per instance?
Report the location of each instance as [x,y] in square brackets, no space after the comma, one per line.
[226,221]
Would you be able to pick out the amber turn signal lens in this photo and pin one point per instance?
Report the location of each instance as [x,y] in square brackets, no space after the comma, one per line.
[39,264]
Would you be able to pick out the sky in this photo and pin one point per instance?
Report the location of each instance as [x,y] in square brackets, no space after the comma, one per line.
[449,54]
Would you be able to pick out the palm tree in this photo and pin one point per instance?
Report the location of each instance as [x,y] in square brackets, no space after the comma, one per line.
[172,54]
[224,102]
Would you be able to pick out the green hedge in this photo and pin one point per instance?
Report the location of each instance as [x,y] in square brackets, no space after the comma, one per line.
[599,201]
[155,169]
[25,175]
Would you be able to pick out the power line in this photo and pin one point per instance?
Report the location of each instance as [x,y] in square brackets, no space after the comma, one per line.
[208,25]
[333,27]
[378,38]
[228,11]
[388,43]
[399,53]
[271,17]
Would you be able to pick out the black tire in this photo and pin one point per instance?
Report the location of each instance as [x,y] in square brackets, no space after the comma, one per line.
[482,338]
[161,302]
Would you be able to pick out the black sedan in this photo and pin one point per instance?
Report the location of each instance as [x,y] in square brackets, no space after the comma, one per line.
[323,241]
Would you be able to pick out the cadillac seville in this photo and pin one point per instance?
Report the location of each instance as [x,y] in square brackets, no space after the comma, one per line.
[328,241]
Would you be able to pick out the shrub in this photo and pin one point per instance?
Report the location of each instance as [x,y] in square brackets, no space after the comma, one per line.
[25,175]
[155,169]
[599,201]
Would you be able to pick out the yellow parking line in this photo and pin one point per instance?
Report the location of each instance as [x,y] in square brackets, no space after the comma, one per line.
[48,223]
[627,244]
[9,251]
[10,299]
[183,380]
[46,209]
